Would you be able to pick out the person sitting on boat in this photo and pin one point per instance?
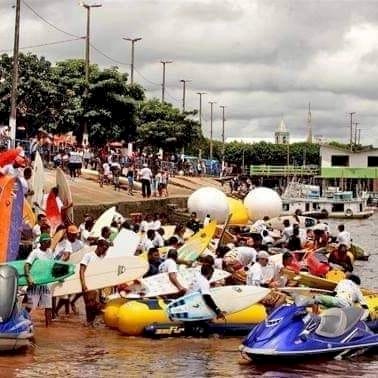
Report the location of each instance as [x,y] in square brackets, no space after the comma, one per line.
[341,258]
[265,273]
[309,242]
[290,262]
[170,266]
[154,261]
[201,284]
[294,242]
[39,295]
[344,236]
[347,294]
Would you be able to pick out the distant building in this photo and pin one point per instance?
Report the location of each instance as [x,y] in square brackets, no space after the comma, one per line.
[349,170]
[281,135]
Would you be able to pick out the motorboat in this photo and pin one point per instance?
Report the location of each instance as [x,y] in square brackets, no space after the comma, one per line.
[16,328]
[291,332]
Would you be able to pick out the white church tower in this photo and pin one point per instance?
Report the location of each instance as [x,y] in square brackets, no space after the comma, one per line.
[282,135]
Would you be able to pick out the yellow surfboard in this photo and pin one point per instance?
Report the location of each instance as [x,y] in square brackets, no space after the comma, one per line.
[196,245]
[28,214]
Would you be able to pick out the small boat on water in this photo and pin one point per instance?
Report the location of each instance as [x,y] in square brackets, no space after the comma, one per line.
[290,332]
[306,200]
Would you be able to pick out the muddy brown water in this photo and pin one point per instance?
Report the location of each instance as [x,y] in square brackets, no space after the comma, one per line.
[68,349]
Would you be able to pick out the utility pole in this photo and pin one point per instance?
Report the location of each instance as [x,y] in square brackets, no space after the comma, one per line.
[87,59]
[211,128]
[309,126]
[132,40]
[13,110]
[355,132]
[164,62]
[223,146]
[351,130]
[359,136]
[184,92]
[200,107]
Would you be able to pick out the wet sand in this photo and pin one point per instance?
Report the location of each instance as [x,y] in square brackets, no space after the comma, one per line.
[69,349]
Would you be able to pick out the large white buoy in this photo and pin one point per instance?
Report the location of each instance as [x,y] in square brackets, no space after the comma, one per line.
[209,201]
[261,202]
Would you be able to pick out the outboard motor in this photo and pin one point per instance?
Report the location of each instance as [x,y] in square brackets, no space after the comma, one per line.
[8,291]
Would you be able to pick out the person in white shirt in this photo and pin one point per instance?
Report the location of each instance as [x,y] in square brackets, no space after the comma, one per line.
[147,241]
[348,293]
[201,284]
[92,305]
[145,176]
[157,222]
[344,236]
[69,245]
[263,272]
[41,219]
[85,230]
[246,255]
[147,224]
[159,240]
[39,295]
[170,266]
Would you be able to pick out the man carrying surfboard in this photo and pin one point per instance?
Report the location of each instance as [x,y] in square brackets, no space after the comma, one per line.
[201,284]
[92,305]
[39,295]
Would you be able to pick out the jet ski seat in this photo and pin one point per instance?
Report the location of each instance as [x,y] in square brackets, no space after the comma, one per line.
[334,322]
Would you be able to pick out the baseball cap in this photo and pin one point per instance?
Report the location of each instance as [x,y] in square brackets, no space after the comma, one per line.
[263,255]
[72,229]
[44,237]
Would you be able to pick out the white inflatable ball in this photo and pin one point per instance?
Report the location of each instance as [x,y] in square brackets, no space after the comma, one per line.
[209,201]
[261,202]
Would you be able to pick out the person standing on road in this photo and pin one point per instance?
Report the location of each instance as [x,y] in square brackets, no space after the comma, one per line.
[145,175]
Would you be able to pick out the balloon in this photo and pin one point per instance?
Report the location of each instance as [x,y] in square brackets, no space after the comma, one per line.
[209,201]
[261,202]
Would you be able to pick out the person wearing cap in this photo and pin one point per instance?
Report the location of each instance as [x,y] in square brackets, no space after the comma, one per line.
[145,175]
[70,244]
[263,272]
[92,305]
[39,295]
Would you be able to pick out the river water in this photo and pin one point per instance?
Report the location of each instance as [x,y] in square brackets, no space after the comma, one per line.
[71,350]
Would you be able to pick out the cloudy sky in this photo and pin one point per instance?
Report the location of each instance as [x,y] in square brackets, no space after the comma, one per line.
[260,58]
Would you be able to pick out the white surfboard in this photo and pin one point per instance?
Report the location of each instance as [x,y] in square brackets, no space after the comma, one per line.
[102,273]
[76,257]
[38,183]
[160,284]
[229,299]
[105,219]
[64,192]
[125,244]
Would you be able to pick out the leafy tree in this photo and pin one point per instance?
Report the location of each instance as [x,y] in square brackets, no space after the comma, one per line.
[163,126]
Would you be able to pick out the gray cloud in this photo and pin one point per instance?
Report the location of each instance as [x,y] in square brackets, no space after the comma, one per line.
[262,59]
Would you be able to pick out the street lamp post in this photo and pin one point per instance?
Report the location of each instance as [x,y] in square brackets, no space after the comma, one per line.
[133,41]
[164,63]
[211,128]
[223,146]
[184,93]
[200,107]
[87,61]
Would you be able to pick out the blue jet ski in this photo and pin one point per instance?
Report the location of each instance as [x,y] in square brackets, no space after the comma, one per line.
[291,332]
[16,329]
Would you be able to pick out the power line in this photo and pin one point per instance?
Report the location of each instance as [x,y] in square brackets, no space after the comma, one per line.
[147,79]
[109,57]
[45,44]
[48,22]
